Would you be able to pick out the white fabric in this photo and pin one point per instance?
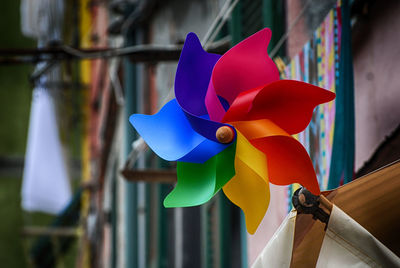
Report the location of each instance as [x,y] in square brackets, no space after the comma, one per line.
[41,18]
[278,251]
[276,214]
[33,23]
[348,244]
[45,184]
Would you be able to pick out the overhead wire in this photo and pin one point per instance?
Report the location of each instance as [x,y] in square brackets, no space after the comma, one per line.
[285,36]
[221,24]
[117,52]
[215,22]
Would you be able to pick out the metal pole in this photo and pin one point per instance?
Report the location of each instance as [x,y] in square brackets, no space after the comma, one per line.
[130,187]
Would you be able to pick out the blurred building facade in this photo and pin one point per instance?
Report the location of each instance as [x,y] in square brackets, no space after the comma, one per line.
[123,219]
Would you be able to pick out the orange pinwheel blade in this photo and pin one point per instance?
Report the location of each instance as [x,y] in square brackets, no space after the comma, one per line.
[287,160]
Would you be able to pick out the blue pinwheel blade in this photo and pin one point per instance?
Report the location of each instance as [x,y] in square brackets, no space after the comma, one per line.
[204,151]
[170,135]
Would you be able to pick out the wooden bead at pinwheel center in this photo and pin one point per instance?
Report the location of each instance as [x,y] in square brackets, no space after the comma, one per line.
[225,134]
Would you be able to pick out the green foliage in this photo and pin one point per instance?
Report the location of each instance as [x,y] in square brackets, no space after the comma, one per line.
[11,246]
[15,97]
[15,92]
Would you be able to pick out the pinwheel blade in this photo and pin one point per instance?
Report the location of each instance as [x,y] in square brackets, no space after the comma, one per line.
[198,183]
[249,188]
[193,75]
[245,66]
[288,103]
[287,160]
[169,134]
[191,82]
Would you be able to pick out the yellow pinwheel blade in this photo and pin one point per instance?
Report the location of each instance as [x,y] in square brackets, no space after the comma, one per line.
[249,188]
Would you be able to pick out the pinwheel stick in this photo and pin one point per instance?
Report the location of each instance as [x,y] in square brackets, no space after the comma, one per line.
[326,203]
[305,202]
[225,134]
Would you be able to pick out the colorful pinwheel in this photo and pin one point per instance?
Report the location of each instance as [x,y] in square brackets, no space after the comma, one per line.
[230,127]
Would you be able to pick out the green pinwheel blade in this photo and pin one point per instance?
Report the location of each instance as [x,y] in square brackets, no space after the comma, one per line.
[225,166]
[198,183]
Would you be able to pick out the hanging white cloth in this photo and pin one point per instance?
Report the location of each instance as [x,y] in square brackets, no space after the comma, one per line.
[45,184]
[276,214]
[346,244]
[278,251]
[30,25]
[41,19]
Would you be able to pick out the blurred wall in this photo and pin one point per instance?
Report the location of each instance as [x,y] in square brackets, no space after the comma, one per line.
[170,25]
[376,54]
[376,51]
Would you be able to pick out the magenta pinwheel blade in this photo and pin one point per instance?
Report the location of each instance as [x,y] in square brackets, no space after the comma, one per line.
[244,67]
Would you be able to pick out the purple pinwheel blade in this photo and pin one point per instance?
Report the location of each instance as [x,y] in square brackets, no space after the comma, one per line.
[191,83]
[193,75]
[170,135]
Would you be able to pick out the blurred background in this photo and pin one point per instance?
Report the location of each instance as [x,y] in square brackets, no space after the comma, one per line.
[79,188]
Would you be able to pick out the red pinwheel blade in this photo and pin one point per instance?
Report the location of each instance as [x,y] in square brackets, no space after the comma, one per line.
[288,162]
[287,103]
